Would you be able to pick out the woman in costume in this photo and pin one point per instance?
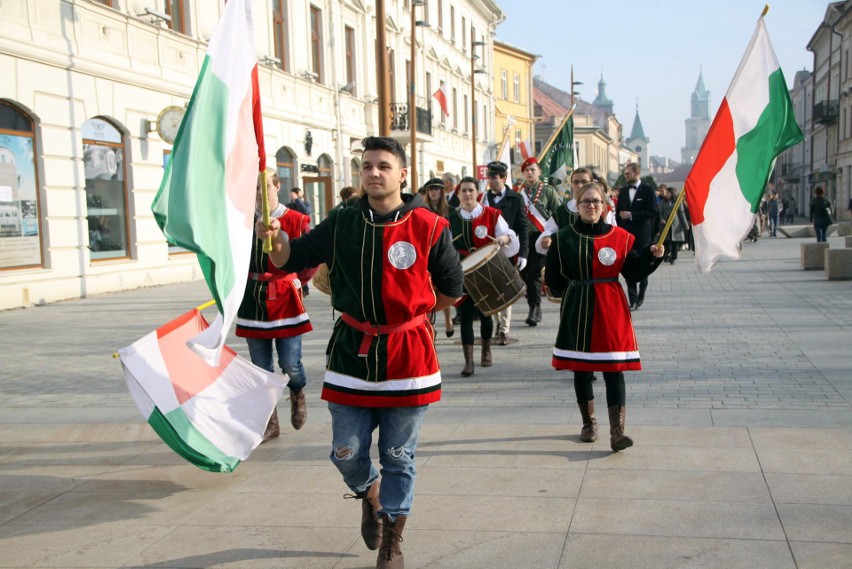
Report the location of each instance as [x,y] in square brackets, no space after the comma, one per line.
[433,193]
[475,225]
[595,328]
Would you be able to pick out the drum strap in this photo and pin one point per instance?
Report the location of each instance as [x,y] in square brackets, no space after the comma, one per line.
[592,281]
[371,331]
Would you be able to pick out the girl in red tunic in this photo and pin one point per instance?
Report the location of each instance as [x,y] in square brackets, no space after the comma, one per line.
[595,329]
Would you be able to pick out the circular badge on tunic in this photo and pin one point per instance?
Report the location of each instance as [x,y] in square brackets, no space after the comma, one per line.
[402,255]
[607,256]
[481,231]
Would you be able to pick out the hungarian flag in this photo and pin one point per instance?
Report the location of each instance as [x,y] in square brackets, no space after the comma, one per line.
[558,158]
[213,416]
[754,124]
[206,201]
[442,95]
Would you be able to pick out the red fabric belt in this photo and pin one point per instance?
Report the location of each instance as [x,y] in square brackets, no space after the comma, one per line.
[267,276]
[371,331]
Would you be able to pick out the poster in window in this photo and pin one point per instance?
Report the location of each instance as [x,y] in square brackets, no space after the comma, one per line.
[19,228]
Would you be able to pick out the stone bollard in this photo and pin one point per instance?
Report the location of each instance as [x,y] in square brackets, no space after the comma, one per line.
[813,255]
[844,228]
[849,241]
[838,264]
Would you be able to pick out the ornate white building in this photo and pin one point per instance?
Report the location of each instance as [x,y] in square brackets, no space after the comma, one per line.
[91,91]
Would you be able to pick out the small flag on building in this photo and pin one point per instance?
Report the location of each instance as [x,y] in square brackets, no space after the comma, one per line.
[442,96]
[213,416]
[206,201]
[754,124]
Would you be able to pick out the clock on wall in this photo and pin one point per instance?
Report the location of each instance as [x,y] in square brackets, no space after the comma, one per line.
[168,122]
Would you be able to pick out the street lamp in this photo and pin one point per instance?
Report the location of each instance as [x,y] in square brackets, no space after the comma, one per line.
[473,72]
[412,94]
[573,92]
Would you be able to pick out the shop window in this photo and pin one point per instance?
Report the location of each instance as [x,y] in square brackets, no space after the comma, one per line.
[285,164]
[20,208]
[106,192]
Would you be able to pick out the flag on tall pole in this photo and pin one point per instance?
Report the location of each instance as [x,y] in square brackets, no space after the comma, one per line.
[504,154]
[206,201]
[754,124]
[557,156]
[212,416]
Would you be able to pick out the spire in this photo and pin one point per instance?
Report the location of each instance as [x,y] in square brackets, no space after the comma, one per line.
[638,131]
[700,99]
[602,100]
[700,91]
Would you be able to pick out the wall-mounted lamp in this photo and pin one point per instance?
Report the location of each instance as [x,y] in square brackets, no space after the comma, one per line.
[310,75]
[422,24]
[157,15]
[477,43]
[270,61]
[309,142]
[347,88]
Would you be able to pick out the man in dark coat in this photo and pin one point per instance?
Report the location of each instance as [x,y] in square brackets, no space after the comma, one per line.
[511,205]
[636,212]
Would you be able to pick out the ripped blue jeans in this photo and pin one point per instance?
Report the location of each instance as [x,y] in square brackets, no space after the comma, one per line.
[352,434]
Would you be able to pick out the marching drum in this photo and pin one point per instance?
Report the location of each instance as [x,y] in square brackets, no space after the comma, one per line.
[491,280]
[321,279]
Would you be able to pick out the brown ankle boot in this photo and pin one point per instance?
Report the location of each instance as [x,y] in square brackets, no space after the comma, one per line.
[589,432]
[298,410]
[617,439]
[467,370]
[486,353]
[272,428]
[390,554]
[371,524]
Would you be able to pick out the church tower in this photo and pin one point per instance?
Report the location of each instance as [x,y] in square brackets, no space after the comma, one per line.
[698,123]
[638,143]
[601,100]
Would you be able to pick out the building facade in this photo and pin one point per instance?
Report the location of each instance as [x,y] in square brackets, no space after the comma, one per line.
[513,105]
[92,89]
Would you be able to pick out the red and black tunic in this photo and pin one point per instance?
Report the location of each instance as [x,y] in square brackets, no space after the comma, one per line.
[381,274]
[272,305]
[595,328]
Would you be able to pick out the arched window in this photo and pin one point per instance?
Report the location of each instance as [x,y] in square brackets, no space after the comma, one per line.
[285,163]
[106,192]
[355,168]
[20,210]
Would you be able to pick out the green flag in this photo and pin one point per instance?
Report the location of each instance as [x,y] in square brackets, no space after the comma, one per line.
[559,158]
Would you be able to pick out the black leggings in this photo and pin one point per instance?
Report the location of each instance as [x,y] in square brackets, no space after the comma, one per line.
[615,392]
[467,310]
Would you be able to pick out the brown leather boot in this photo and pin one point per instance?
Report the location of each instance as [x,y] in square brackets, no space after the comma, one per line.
[486,353]
[298,410]
[589,432]
[617,439]
[390,554]
[467,370]
[273,429]
[371,524]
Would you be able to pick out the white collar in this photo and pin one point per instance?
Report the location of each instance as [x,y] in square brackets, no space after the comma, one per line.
[477,211]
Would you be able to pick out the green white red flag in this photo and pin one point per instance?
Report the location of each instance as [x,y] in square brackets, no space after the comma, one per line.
[206,201]
[213,416]
[754,124]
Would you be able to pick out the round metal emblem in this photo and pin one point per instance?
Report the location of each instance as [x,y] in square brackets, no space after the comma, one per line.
[481,231]
[402,255]
[607,256]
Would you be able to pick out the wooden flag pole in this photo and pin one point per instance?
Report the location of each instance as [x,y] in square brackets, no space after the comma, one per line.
[503,144]
[672,215]
[267,243]
[556,133]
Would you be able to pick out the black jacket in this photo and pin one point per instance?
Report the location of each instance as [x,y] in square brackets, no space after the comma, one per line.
[512,209]
[643,209]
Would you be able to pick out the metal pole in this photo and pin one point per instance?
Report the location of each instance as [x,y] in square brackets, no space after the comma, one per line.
[412,114]
[382,70]
[473,105]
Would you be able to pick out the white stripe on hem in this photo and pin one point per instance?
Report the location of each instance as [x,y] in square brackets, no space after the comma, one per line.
[596,356]
[412,384]
[274,323]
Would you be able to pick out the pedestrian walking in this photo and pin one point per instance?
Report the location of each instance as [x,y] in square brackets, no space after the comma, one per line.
[636,212]
[820,214]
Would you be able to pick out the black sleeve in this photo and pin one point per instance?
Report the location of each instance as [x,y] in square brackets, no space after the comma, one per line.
[311,249]
[444,266]
[556,282]
[639,264]
[523,230]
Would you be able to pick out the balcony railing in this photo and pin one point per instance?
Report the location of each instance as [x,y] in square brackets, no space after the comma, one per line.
[400,118]
[825,112]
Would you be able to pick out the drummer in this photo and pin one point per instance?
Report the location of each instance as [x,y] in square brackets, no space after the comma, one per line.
[475,225]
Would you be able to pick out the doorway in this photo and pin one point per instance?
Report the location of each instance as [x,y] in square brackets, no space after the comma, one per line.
[319,191]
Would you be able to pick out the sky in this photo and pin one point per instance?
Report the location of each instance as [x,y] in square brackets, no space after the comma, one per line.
[652,51]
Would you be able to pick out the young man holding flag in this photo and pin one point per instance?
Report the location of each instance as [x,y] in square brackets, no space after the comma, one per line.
[540,203]
[384,256]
